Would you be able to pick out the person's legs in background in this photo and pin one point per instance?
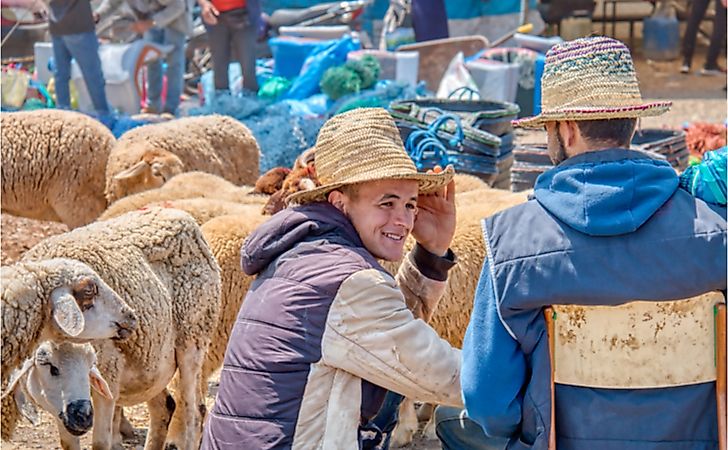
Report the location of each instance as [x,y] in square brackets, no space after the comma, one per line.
[457,432]
[244,39]
[175,68]
[154,74]
[717,39]
[62,72]
[85,50]
[219,40]
[697,12]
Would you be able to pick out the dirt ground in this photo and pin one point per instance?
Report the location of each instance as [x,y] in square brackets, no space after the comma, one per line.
[695,98]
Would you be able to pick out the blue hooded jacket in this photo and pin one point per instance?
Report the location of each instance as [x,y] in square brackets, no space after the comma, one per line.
[604,228]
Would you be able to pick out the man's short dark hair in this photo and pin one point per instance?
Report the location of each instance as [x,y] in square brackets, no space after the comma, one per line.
[617,132]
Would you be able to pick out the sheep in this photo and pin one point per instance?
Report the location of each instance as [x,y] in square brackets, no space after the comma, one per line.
[146,157]
[225,235]
[53,165]
[57,299]
[466,183]
[58,379]
[184,186]
[159,261]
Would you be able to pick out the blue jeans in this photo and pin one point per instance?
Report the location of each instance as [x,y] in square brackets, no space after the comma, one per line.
[175,70]
[84,48]
[383,423]
[457,432]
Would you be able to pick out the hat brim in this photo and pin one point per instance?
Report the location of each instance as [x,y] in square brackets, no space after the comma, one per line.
[428,182]
[593,113]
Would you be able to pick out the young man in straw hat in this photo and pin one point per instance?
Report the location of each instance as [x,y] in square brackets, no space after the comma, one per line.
[607,226]
[324,329]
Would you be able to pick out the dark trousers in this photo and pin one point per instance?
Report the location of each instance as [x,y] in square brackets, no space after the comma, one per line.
[233,36]
[697,12]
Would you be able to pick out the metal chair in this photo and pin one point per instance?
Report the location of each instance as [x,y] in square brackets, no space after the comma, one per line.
[636,345]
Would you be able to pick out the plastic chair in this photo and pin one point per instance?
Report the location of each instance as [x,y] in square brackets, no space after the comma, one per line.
[582,350]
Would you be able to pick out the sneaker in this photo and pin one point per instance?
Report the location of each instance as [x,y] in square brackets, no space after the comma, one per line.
[150,110]
[712,71]
[685,69]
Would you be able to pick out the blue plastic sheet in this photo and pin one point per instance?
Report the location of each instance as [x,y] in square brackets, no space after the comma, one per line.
[329,55]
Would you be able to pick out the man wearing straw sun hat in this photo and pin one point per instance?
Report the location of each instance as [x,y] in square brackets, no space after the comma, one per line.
[608,225]
[324,329]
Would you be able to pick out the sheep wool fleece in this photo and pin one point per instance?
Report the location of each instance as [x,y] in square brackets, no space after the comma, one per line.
[610,227]
[323,330]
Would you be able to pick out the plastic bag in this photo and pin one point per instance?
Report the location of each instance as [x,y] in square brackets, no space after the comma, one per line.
[456,77]
[14,86]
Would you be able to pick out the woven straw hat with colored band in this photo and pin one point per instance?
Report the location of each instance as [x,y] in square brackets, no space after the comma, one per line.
[363,145]
[590,79]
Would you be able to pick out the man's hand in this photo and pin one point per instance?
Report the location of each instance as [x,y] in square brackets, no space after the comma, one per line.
[142,26]
[435,222]
[209,12]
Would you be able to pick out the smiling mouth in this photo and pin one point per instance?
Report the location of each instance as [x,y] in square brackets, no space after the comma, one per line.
[394,237]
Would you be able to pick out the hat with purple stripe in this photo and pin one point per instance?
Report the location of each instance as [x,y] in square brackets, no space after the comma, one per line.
[590,78]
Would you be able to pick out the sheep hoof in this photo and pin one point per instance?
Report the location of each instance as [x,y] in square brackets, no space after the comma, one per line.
[171,447]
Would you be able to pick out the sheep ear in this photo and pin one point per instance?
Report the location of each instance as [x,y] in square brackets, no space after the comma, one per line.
[17,376]
[99,384]
[16,387]
[133,171]
[66,313]
[26,407]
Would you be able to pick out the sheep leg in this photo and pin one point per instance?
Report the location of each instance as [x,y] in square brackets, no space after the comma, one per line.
[123,430]
[407,425]
[161,407]
[103,422]
[68,441]
[183,430]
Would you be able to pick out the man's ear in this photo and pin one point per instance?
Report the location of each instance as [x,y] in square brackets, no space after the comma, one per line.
[336,198]
[570,134]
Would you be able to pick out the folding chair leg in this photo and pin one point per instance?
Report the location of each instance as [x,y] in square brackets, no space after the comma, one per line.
[549,315]
[720,384]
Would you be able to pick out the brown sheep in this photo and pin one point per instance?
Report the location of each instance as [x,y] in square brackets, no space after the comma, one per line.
[148,156]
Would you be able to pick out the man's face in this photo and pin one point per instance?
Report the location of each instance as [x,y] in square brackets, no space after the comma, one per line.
[383,213]
[555,144]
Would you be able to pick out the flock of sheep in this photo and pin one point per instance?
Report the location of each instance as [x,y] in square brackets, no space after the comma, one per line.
[150,275]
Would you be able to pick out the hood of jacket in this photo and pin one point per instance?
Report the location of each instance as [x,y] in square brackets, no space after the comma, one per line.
[607,192]
[311,222]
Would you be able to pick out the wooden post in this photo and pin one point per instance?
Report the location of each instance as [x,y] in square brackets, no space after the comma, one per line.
[720,384]
[549,315]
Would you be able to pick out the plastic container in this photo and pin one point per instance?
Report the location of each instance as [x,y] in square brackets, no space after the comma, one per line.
[496,80]
[289,53]
[397,66]
[43,52]
[661,36]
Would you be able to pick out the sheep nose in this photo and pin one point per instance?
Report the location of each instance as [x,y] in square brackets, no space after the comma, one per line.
[79,417]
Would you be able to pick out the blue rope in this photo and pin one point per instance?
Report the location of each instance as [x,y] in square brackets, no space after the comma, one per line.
[421,141]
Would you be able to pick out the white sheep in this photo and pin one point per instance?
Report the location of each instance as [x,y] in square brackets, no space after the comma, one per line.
[148,156]
[58,379]
[159,261]
[53,165]
[56,299]
[185,186]
[225,235]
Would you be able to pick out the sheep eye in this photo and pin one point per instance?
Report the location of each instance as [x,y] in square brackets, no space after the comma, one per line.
[54,370]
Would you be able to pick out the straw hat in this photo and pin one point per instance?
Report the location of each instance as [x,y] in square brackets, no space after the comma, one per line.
[590,79]
[363,145]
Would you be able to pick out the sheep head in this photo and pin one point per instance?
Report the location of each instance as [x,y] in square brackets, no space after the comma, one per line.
[271,181]
[83,306]
[152,170]
[299,179]
[59,378]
